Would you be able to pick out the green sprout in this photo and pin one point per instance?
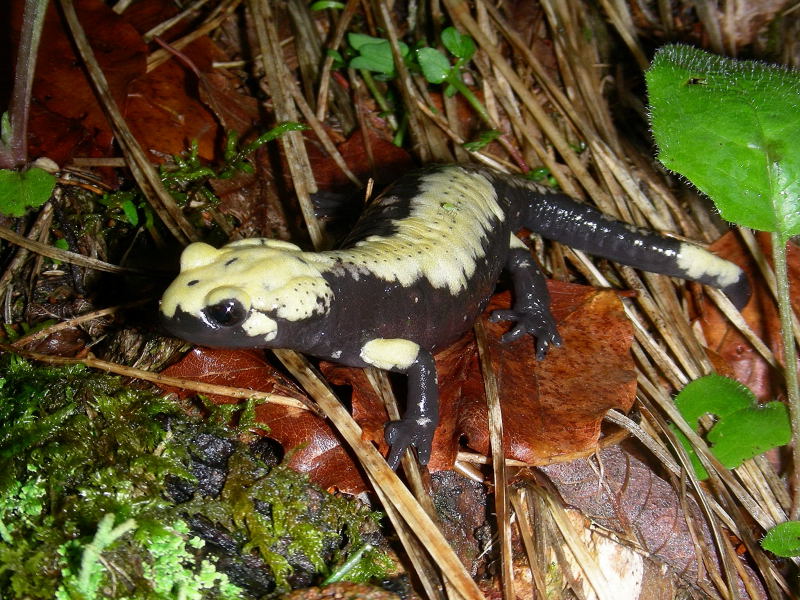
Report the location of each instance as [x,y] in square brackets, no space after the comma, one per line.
[437,69]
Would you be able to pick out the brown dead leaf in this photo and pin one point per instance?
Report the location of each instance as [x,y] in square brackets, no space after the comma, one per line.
[163,108]
[65,117]
[624,495]
[552,409]
[736,357]
[165,114]
[389,159]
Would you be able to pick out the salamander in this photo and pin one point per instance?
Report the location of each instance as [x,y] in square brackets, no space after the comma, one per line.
[417,269]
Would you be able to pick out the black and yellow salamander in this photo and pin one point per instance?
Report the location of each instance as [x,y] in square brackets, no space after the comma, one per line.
[417,269]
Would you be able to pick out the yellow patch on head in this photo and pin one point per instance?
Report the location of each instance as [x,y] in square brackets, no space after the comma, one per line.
[262,276]
[197,255]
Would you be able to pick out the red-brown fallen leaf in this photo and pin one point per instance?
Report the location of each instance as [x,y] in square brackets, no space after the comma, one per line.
[736,357]
[624,495]
[551,409]
[164,118]
[387,157]
[317,448]
[163,108]
[236,368]
[65,117]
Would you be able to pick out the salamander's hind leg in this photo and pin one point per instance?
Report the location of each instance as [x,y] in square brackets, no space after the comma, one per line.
[531,309]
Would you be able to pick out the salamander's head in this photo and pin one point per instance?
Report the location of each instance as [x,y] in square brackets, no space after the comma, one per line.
[243,294]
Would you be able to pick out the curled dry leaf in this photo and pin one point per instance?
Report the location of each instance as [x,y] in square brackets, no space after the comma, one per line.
[624,495]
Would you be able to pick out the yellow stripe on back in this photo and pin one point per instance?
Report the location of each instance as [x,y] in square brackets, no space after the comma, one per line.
[440,240]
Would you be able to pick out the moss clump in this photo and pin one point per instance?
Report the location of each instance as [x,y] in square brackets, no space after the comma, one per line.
[86,509]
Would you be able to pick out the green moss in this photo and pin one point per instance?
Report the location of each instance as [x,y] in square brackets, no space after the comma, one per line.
[287,520]
[85,511]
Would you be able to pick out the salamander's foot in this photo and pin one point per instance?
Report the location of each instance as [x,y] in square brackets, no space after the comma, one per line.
[405,433]
[538,323]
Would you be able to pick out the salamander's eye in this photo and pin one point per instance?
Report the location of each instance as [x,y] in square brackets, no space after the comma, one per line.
[228,312]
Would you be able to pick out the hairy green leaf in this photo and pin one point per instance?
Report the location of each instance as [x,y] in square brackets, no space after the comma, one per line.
[730,127]
[783,539]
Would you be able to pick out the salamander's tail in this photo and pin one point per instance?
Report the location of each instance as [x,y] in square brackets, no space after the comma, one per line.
[565,220]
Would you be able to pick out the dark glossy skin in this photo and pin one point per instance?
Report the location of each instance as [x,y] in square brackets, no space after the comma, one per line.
[418,268]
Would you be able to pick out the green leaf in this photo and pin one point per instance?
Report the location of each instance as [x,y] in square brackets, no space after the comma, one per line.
[375,54]
[744,428]
[783,539]
[129,208]
[731,127]
[483,140]
[61,244]
[356,40]
[323,4]
[5,129]
[458,44]
[434,64]
[22,190]
[338,60]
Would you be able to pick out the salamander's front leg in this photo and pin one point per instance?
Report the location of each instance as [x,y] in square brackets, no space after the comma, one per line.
[531,310]
[422,405]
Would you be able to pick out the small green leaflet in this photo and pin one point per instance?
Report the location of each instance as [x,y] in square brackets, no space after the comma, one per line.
[783,539]
[325,4]
[435,66]
[744,428]
[374,54]
[460,45]
[20,190]
[730,127]
[483,140]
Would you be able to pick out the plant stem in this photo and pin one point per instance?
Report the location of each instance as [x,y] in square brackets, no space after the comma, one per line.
[454,80]
[15,154]
[379,97]
[779,242]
